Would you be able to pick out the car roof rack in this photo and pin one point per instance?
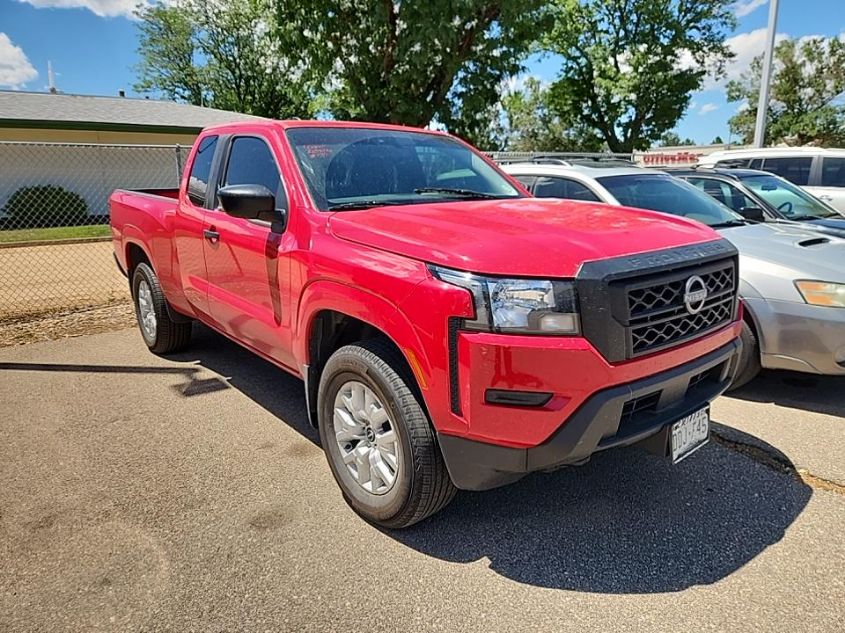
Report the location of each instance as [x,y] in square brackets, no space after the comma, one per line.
[567,159]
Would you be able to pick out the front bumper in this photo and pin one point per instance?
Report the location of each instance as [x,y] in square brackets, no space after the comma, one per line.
[800,337]
[618,416]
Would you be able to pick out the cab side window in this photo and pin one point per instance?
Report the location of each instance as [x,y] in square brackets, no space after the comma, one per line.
[251,163]
[201,170]
[795,169]
[547,187]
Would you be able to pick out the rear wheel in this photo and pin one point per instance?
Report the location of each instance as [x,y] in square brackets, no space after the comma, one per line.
[749,359]
[379,443]
[162,334]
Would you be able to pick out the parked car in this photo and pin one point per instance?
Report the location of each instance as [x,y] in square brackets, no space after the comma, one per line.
[792,280]
[396,272]
[761,196]
[818,170]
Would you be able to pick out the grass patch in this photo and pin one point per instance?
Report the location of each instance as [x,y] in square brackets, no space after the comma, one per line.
[55,233]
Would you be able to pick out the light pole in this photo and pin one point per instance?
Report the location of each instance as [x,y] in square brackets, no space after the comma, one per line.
[766,77]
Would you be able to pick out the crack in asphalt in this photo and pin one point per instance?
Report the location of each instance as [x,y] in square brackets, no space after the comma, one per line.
[780,464]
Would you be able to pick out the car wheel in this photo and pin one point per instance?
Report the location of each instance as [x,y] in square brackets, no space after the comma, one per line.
[749,359]
[162,334]
[379,442]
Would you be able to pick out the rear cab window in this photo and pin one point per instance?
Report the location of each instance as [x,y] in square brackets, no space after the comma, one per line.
[201,170]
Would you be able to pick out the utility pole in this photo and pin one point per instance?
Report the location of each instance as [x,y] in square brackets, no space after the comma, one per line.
[766,77]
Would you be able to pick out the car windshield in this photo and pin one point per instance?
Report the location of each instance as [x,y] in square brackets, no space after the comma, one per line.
[660,192]
[792,201]
[355,168]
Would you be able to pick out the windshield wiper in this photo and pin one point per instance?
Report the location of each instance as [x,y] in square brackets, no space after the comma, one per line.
[463,193]
[728,224]
[360,204]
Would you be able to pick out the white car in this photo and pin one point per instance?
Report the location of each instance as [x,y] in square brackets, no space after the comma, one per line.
[818,170]
[792,279]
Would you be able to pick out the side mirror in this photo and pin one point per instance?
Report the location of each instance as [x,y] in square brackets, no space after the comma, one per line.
[755,214]
[250,202]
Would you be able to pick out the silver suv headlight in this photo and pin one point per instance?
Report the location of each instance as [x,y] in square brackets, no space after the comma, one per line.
[520,306]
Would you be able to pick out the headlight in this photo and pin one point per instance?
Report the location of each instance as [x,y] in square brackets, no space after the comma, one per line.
[822,293]
[526,306]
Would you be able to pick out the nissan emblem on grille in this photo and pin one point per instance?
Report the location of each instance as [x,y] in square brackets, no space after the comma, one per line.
[695,294]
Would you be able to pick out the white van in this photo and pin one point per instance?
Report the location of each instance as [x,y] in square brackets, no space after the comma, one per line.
[818,170]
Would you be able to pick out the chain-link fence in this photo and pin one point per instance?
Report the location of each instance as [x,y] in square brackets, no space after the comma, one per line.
[55,250]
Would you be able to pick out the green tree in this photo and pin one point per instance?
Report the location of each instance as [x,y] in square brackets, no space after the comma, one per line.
[229,54]
[672,139]
[717,141]
[805,101]
[531,126]
[629,66]
[413,63]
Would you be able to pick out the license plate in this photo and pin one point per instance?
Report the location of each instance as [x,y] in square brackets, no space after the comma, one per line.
[689,434]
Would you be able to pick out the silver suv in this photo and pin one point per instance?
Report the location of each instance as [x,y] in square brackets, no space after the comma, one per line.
[792,279]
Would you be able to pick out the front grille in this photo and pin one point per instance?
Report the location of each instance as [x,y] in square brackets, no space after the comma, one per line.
[658,318]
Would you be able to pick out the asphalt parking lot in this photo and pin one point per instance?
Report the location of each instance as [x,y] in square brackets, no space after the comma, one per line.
[189,494]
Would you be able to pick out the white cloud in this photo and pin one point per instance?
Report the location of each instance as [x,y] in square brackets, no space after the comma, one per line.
[15,69]
[102,8]
[745,7]
[708,107]
[745,47]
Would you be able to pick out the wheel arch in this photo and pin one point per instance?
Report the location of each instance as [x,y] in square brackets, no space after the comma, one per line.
[337,315]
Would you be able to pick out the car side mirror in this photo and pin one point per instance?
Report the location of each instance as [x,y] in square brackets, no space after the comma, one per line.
[755,214]
[250,202]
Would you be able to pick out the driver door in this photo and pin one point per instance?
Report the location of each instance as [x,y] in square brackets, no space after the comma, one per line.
[248,261]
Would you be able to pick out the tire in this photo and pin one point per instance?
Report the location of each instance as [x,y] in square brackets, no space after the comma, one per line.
[162,334]
[421,484]
[749,359]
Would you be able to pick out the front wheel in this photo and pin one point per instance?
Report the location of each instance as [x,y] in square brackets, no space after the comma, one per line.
[162,334]
[749,359]
[379,443]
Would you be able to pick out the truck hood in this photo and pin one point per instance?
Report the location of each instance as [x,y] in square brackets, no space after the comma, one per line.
[523,236]
[795,252]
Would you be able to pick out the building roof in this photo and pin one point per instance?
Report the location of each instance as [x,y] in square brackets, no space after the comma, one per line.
[63,111]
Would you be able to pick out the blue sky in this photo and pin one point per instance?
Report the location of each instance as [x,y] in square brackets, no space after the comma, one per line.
[92,43]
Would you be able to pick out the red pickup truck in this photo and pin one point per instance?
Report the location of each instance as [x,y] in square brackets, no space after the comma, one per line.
[451,331]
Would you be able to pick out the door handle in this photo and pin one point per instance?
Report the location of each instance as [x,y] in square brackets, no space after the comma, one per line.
[211,235]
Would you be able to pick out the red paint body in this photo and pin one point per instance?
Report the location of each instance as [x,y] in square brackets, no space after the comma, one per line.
[264,289]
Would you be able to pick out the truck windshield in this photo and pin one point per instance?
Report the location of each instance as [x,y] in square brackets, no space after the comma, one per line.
[660,192]
[354,168]
[788,199]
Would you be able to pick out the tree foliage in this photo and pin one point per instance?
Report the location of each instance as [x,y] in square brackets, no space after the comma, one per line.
[805,105]
[229,54]
[406,62]
[531,126]
[629,66]
[672,139]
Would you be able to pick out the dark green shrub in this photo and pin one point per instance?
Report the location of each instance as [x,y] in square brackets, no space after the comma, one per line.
[45,206]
